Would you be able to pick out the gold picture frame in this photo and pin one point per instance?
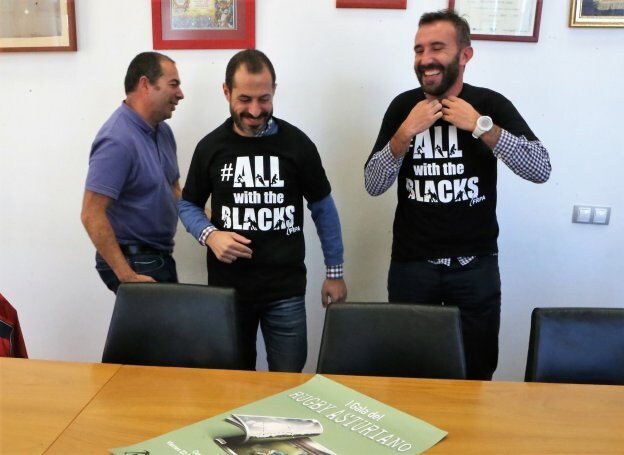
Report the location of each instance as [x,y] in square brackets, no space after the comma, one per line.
[596,13]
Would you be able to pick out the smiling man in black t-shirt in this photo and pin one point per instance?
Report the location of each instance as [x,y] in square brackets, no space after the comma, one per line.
[441,143]
[257,169]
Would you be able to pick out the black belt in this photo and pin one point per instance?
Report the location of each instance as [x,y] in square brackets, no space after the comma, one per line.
[143,249]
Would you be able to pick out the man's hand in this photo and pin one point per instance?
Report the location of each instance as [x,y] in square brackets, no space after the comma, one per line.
[229,246]
[98,227]
[460,113]
[333,291]
[420,118]
[135,278]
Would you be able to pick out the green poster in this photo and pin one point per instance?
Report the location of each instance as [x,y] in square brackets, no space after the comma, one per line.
[319,417]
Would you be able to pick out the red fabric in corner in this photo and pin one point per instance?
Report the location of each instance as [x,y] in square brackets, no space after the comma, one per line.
[11,338]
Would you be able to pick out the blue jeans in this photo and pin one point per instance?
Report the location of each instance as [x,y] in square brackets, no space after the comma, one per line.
[474,288]
[161,267]
[283,325]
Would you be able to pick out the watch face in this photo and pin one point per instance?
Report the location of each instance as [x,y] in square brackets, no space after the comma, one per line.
[485,123]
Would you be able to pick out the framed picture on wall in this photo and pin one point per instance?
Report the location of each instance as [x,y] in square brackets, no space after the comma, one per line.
[501,20]
[596,13]
[37,26]
[389,4]
[205,24]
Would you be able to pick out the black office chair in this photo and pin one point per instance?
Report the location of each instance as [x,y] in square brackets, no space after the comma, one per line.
[168,324]
[392,339]
[576,345]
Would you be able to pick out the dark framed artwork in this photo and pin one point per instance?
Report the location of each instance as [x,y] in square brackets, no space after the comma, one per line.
[387,4]
[37,26]
[501,20]
[596,13]
[209,24]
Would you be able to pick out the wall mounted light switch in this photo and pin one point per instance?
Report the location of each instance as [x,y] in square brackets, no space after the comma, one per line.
[601,215]
[588,214]
[581,214]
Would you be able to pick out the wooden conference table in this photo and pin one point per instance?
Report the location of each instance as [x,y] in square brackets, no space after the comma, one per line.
[66,408]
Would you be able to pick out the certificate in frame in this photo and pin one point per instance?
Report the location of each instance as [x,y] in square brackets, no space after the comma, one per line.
[381,4]
[204,24]
[596,13]
[501,20]
[38,26]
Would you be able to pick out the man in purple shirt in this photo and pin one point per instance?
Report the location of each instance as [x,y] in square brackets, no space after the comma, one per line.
[130,202]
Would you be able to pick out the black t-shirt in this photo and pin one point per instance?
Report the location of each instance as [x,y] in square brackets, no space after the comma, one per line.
[447,182]
[257,186]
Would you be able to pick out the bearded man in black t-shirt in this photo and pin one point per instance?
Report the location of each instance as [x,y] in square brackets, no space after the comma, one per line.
[257,169]
[441,143]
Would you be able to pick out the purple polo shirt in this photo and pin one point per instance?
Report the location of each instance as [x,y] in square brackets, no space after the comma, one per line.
[136,166]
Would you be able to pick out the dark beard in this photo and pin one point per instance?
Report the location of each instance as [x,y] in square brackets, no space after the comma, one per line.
[449,76]
[253,130]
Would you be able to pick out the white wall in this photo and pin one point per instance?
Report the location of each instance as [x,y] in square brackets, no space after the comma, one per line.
[337,70]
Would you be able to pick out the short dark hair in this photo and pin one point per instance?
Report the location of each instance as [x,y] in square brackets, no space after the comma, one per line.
[254,60]
[462,29]
[146,64]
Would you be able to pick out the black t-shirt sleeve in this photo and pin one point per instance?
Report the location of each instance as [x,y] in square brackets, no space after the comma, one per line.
[314,183]
[396,113]
[501,109]
[197,188]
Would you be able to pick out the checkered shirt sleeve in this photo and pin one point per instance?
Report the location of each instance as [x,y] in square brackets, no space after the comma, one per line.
[381,171]
[334,272]
[527,159]
[205,233]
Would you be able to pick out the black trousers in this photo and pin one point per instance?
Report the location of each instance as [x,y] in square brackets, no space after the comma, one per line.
[474,288]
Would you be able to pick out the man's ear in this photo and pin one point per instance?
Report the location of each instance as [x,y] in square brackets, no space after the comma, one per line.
[226,92]
[465,55]
[143,83]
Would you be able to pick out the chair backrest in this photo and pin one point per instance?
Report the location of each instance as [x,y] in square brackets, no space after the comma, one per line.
[576,345]
[392,339]
[168,324]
